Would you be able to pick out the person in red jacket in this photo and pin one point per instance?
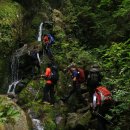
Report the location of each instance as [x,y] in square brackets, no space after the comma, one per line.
[49,86]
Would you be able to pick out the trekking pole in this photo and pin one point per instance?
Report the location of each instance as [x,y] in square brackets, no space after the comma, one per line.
[37,93]
[104,118]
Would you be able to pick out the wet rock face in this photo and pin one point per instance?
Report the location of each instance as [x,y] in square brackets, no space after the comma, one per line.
[20,86]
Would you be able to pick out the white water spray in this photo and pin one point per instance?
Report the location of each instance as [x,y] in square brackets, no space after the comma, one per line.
[37,125]
[15,68]
[40,32]
[11,89]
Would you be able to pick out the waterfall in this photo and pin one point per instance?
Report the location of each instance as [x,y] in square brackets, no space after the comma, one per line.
[12,86]
[14,74]
[14,68]
[40,32]
[37,125]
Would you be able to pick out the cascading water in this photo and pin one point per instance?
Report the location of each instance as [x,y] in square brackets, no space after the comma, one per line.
[11,89]
[41,29]
[15,68]
[37,125]
[40,32]
[14,75]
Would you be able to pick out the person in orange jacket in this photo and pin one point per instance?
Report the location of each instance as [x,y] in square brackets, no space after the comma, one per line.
[49,86]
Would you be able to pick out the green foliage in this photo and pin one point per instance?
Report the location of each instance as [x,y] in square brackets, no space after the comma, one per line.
[8,112]
[98,22]
[49,120]
[9,13]
[115,63]
[49,124]
[124,9]
[88,24]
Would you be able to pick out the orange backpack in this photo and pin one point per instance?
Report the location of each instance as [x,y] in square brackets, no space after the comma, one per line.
[103,95]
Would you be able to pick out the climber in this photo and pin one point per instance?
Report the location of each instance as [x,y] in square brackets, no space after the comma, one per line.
[93,79]
[73,70]
[102,102]
[48,40]
[49,86]
[35,59]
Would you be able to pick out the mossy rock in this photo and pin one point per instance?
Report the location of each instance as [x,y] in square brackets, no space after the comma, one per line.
[32,92]
[84,119]
[14,117]
[74,120]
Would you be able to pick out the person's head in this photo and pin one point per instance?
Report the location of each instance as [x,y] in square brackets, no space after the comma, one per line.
[95,66]
[72,69]
[45,34]
[49,65]
[72,65]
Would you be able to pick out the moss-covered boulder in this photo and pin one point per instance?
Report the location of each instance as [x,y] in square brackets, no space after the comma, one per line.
[74,120]
[12,117]
[32,92]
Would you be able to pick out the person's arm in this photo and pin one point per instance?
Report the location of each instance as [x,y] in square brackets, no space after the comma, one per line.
[74,79]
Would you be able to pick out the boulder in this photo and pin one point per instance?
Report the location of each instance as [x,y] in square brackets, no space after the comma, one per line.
[75,120]
[20,123]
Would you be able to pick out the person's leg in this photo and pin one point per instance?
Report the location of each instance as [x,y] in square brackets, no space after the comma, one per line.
[101,120]
[52,100]
[38,66]
[71,92]
[45,92]
[101,124]
[46,50]
[49,53]
[32,68]
[79,94]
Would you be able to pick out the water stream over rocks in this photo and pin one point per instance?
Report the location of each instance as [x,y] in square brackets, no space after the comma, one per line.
[37,125]
[15,80]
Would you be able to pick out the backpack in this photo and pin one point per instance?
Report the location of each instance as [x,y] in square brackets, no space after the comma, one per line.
[54,75]
[81,77]
[103,95]
[93,75]
[51,39]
